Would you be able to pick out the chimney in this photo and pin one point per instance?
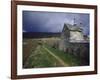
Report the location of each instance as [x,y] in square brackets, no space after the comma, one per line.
[74,22]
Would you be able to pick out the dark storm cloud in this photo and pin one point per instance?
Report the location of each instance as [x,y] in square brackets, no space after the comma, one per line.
[52,21]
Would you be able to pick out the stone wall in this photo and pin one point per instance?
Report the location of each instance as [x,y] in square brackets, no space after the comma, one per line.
[53,41]
[80,50]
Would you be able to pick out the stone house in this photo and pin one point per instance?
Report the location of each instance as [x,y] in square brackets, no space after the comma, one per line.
[74,42]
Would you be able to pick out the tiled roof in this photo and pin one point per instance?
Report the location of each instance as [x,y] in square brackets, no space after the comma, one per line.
[73,27]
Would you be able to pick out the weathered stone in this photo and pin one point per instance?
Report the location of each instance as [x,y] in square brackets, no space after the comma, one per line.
[74,42]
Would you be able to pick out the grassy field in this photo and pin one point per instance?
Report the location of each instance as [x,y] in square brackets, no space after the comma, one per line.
[36,54]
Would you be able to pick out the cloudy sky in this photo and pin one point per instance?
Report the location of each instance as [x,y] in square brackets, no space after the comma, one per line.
[53,21]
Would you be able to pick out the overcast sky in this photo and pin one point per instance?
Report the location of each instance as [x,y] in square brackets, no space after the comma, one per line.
[53,21]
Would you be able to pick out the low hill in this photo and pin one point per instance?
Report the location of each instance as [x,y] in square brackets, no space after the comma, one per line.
[40,34]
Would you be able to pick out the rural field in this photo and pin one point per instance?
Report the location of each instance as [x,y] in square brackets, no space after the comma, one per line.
[37,54]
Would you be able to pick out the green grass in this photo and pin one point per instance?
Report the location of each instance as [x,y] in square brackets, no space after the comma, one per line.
[66,57]
[41,58]
[38,57]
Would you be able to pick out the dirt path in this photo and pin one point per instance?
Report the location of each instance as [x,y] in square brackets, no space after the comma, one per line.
[58,58]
